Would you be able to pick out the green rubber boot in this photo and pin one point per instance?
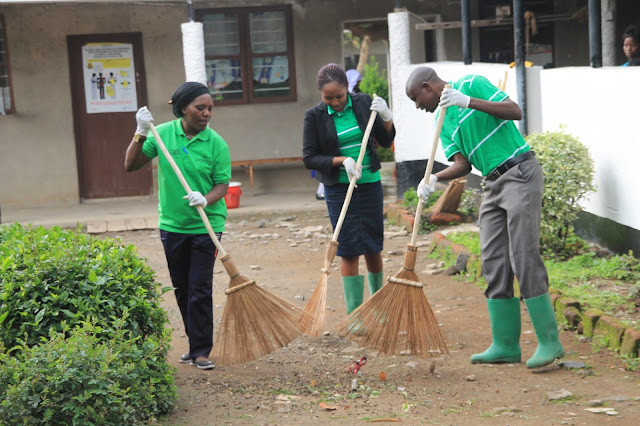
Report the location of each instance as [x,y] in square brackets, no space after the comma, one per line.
[546,327]
[505,329]
[375,281]
[353,291]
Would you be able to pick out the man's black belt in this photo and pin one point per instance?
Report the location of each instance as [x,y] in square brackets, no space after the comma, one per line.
[502,169]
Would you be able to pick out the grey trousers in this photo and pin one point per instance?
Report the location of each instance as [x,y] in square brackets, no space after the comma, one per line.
[510,232]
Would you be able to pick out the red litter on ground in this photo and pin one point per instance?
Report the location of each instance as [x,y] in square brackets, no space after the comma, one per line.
[353,368]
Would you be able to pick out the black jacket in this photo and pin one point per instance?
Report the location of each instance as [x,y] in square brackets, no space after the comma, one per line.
[320,138]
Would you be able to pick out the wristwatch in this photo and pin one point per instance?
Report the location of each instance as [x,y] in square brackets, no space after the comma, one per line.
[139,138]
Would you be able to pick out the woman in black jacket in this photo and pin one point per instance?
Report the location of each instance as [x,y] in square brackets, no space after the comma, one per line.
[333,132]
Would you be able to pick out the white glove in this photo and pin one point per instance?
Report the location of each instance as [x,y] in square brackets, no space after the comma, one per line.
[424,190]
[196,199]
[353,169]
[453,97]
[380,106]
[144,119]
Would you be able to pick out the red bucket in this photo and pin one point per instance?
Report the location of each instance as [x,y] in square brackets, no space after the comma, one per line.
[233,195]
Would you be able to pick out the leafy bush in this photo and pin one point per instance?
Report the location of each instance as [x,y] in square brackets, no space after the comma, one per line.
[87,379]
[374,81]
[568,170]
[50,276]
[58,368]
[410,200]
[469,202]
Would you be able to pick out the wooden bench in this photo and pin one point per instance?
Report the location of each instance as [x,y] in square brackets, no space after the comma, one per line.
[248,165]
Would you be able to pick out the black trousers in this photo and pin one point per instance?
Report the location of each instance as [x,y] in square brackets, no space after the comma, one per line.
[190,258]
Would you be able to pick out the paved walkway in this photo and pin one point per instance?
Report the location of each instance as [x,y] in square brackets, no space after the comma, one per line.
[117,215]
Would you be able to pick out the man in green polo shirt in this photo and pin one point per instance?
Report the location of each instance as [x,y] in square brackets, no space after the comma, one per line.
[478,130]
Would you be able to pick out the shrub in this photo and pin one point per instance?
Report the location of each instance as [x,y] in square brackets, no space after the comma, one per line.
[57,367]
[374,81]
[469,203]
[84,378]
[50,276]
[568,170]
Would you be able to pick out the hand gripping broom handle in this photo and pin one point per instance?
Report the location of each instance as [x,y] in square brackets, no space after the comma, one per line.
[352,182]
[427,172]
[185,185]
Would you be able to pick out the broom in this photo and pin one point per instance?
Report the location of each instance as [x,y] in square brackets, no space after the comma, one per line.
[254,322]
[313,323]
[398,319]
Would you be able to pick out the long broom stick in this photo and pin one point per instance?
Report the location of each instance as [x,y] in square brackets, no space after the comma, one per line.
[398,319]
[313,323]
[254,322]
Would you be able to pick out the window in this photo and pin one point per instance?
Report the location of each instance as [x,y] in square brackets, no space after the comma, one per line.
[249,54]
[6,100]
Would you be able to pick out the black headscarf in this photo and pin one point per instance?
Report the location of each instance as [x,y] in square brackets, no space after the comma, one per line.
[185,94]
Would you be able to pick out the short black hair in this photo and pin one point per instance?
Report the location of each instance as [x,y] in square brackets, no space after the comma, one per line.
[632,31]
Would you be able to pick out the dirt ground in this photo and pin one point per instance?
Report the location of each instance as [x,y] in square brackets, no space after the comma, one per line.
[284,255]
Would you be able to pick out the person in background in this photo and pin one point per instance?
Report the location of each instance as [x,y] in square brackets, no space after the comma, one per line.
[354,78]
[478,130]
[631,45]
[203,157]
[333,132]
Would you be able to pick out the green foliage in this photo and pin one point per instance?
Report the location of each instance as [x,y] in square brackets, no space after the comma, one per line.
[470,240]
[85,379]
[51,276]
[469,202]
[568,170]
[82,336]
[410,200]
[374,81]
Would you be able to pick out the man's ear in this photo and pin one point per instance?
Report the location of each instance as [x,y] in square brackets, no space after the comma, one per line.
[427,86]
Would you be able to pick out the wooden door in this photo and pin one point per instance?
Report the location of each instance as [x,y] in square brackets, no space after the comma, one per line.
[103,69]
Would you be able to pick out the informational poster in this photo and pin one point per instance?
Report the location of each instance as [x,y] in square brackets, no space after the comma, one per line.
[109,77]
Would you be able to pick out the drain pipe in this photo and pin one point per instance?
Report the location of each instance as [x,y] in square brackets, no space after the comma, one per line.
[465,16]
[191,11]
[595,34]
[520,55]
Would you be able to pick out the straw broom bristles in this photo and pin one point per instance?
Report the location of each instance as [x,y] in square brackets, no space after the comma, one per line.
[313,322]
[254,322]
[397,319]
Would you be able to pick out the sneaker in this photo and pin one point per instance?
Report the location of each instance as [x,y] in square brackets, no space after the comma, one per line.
[319,196]
[184,358]
[204,364]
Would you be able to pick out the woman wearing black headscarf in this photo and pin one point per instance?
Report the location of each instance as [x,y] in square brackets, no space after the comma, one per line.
[203,158]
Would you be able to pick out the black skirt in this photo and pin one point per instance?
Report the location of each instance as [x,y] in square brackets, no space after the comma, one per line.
[363,229]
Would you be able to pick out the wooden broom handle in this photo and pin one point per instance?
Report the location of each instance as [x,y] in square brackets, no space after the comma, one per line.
[186,187]
[427,172]
[352,183]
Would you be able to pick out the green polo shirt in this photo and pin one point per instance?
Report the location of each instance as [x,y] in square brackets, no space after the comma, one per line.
[204,161]
[484,140]
[350,141]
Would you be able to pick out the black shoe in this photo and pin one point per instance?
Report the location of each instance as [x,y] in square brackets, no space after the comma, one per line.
[205,364]
[184,358]
[319,196]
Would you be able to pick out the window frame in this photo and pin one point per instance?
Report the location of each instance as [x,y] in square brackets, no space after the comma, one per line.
[246,56]
[12,109]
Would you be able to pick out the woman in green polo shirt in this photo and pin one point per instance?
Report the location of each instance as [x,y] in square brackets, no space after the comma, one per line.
[333,132]
[203,157]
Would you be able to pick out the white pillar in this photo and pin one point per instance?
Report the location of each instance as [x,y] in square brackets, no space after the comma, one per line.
[610,41]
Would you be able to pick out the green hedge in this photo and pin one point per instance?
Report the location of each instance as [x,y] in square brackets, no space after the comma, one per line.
[82,337]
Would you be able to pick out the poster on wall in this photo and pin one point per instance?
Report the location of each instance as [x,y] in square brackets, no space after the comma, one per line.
[109,77]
